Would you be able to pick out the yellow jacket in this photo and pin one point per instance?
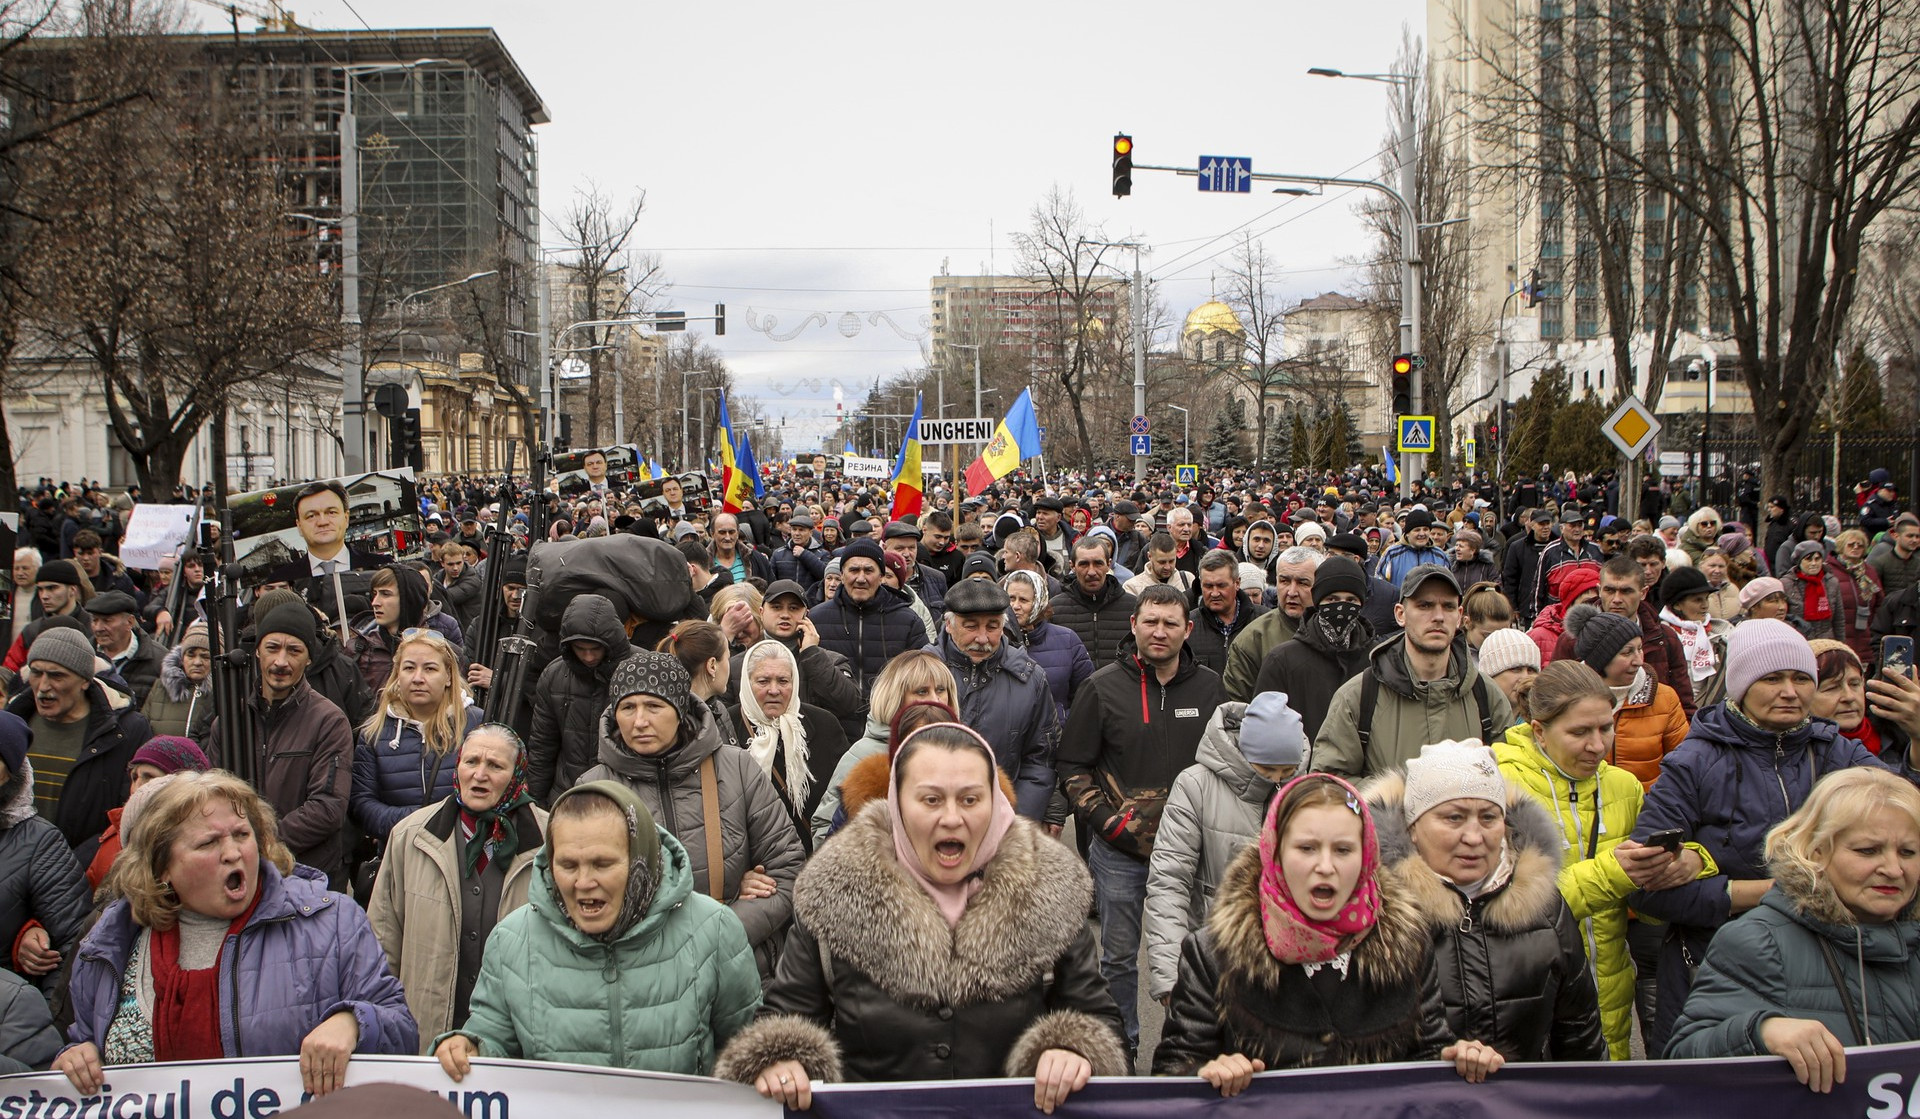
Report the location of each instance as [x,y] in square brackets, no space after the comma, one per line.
[1592,881]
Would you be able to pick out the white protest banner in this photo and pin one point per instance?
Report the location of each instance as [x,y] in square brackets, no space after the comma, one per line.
[871,469]
[154,533]
[254,1088]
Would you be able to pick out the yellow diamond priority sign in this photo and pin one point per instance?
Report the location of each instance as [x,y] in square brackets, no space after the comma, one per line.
[1631,427]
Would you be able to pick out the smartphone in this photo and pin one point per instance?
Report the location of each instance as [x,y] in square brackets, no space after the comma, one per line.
[1670,839]
[1896,656]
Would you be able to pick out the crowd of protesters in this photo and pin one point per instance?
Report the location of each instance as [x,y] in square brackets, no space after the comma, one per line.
[1312,774]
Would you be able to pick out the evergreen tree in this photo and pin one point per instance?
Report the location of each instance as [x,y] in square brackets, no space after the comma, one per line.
[1301,443]
[1861,405]
[1225,446]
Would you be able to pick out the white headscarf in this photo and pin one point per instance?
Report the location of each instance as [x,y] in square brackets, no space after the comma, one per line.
[767,735]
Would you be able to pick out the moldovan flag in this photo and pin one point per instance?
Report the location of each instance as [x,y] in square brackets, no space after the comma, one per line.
[1014,441]
[906,470]
[743,458]
[736,485]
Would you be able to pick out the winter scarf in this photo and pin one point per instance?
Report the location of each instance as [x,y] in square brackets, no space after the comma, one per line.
[1292,936]
[186,1004]
[1341,626]
[952,899]
[491,831]
[769,735]
[1696,642]
[1815,607]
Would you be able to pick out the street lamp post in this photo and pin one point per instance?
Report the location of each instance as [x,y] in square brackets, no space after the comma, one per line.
[1411,264]
[353,390]
[1186,432]
[1137,304]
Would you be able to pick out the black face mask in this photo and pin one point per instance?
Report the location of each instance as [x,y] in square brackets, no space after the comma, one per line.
[1340,623]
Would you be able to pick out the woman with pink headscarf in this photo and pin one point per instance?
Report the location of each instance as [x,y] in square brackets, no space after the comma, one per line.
[936,937]
[1314,956]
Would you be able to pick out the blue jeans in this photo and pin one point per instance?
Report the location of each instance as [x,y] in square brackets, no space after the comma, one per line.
[1119,894]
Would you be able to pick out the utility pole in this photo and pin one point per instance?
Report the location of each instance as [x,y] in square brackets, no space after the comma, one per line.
[1139,308]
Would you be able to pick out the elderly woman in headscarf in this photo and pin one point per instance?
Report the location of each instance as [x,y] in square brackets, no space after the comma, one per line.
[796,744]
[939,937]
[1056,649]
[181,702]
[453,869]
[616,959]
[661,742]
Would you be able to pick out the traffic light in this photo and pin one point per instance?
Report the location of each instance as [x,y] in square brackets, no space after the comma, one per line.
[410,438]
[1122,165]
[1403,384]
[719,319]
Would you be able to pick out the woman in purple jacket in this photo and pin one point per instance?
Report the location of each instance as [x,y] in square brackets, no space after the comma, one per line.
[220,947]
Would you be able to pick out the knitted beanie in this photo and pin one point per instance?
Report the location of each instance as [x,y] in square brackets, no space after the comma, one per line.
[66,648]
[1508,648]
[15,737]
[655,674]
[1452,770]
[295,619]
[1599,636]
[170,754]
[1338,573]
[1271,732]
[196,637]
[1766,586]
[863,548]
[1760,647]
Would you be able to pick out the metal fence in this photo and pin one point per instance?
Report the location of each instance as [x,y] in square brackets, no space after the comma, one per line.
[1822,478]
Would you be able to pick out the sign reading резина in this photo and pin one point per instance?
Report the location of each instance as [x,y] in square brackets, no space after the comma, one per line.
[1883,1082]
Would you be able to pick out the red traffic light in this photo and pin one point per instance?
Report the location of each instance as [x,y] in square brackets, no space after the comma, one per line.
[1402,365]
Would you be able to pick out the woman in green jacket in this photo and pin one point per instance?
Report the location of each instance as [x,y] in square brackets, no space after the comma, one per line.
[1560,759]
[614,960]
[1831,955]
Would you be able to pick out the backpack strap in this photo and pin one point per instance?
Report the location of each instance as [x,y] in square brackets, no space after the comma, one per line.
[1486,714]
[1369,696]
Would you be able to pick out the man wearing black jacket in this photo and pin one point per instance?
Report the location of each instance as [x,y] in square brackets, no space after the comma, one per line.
[1134,725]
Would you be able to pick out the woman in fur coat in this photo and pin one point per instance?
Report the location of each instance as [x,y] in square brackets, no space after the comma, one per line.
[1480,859]
[937,937]
[1313,956]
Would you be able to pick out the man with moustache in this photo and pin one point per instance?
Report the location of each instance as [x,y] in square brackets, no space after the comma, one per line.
[1002,693]
[82,739]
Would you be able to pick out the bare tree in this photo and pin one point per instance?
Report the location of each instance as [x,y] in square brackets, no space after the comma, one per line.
[1787,131]
[1454,328]
[1060,250]
[604,278]
[172,272]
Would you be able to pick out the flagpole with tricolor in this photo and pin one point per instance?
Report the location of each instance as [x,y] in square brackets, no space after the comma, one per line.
[735,486]
[1014,441]
[908,481]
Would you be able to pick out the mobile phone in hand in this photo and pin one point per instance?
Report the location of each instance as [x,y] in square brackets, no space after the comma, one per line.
[1896,656]
[1668,838]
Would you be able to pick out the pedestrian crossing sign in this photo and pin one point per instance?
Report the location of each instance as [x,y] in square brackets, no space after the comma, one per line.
[1416,435]
[1186,474]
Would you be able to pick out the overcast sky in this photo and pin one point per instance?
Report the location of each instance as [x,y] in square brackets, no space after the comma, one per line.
[832,156]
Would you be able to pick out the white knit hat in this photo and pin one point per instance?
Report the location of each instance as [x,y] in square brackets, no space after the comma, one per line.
[1452,770]
[1508,648]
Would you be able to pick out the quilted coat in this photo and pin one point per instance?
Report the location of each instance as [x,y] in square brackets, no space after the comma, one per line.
[305,954]
[662,997]
[395,775]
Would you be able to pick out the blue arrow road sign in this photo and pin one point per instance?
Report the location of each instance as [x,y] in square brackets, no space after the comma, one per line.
[1229,173]
[1142,444]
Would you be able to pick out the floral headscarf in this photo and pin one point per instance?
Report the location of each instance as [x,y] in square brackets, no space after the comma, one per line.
[1292,936]
[493,831]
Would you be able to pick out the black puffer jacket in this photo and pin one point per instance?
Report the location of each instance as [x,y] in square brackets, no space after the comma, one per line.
[1309,671]
[1512,966]
[40,880]
[1103,623]
[570,698]
[1233,996]
[874,986]
[870,633]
